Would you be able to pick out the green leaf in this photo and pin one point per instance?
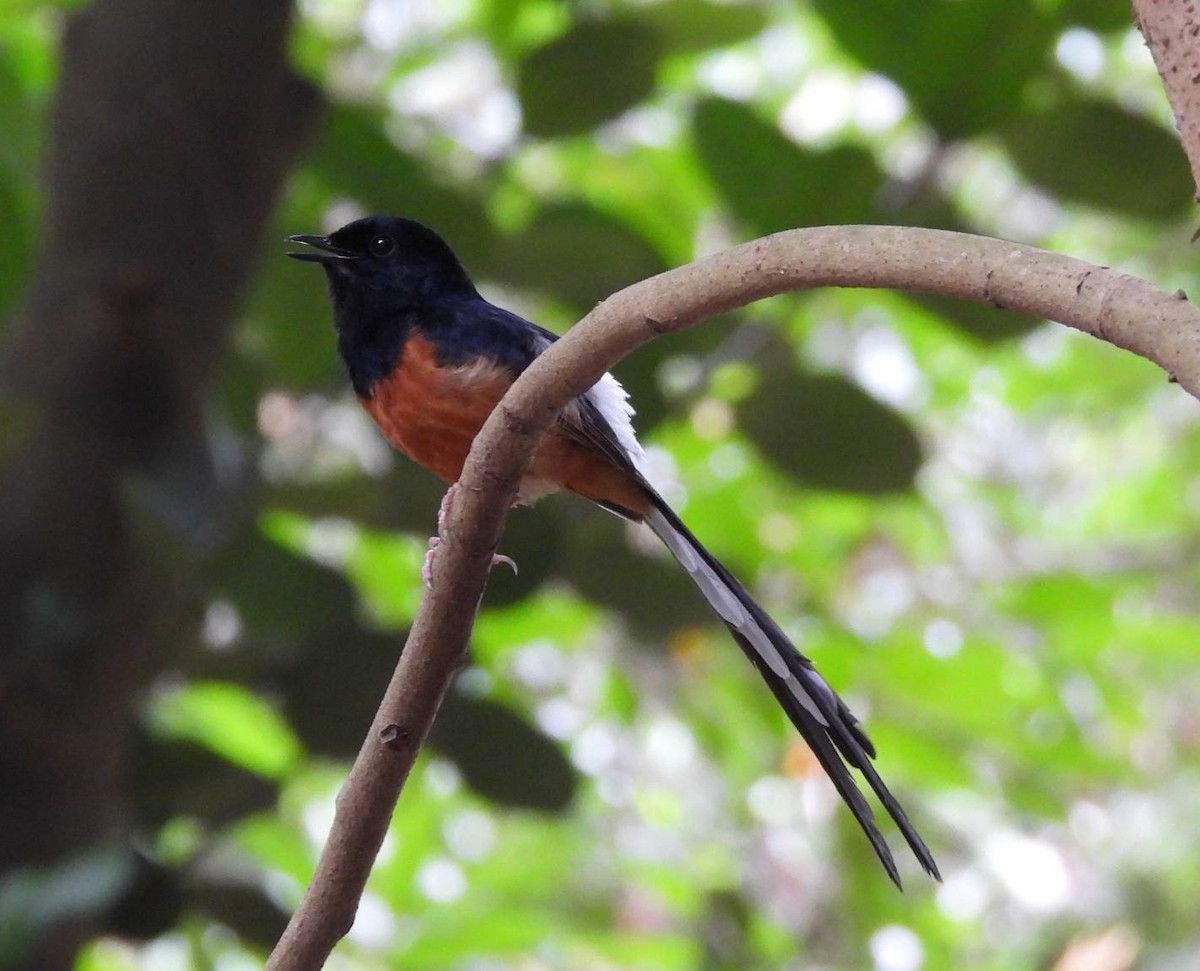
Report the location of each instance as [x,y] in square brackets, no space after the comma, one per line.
[501,756]
[774,184]
[1100,155]
[355,158]
[18,117]
[690,26]
[332,688]
[240,906]
[106,954]
[929,207]
[404,500]
[229,719]
[18,233]
[276,840]
[280,593]
[29,46]
[19,122]
[150,905]
[728,707]
[552,614]
[980,321]
[386,569]
[1100,15]
[179,777]
[602,567]
[937,52]
[825,431]
[591,74]
[33,900]
[577,253]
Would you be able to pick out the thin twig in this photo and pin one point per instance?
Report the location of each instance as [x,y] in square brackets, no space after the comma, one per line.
[1128,312]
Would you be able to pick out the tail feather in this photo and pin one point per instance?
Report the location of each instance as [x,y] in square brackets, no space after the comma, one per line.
[822,718]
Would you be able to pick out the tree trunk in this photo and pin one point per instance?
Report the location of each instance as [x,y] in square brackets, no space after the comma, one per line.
[170,132]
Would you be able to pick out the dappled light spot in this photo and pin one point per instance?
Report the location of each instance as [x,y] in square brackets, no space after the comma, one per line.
[964,895]
[943,638]
[470,835]
[1081,52]
[374,923]
[1031,870]
[896,948]
[442,881]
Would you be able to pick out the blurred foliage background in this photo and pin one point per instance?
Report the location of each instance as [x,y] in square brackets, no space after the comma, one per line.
[981,527]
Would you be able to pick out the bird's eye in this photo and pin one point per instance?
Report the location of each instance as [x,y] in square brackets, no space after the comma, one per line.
[382,245]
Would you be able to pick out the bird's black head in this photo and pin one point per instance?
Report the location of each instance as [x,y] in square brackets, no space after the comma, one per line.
[386,260]
[386,276]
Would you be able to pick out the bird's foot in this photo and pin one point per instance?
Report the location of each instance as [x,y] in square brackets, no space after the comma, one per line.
[431,555]
[444,508]
[427,563]
[435,541]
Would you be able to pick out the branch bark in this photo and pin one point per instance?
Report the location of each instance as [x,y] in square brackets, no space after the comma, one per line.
[1125,311]
[1171,30]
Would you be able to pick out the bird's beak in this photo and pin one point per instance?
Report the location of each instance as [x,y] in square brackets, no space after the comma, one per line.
[326,251]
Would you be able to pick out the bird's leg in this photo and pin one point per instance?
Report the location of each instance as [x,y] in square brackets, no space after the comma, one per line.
[436,541]
[427,563]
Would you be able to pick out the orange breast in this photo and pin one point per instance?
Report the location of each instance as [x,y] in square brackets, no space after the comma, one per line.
[432,414]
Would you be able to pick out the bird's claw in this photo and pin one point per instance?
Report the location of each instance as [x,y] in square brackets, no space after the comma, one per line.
[508,561]
[431,553]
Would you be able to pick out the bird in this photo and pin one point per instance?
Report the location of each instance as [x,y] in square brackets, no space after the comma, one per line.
[429,358]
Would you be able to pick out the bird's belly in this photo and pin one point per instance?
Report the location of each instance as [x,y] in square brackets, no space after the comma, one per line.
[432,413]
[562,462]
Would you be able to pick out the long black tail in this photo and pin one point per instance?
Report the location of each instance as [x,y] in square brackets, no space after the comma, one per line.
[831,730]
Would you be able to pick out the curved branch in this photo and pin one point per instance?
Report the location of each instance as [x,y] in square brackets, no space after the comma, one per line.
[1128,312]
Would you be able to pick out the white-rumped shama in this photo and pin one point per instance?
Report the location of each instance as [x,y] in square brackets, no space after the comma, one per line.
[429,359]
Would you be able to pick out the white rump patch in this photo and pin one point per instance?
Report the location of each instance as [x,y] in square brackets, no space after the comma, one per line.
[612,401]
